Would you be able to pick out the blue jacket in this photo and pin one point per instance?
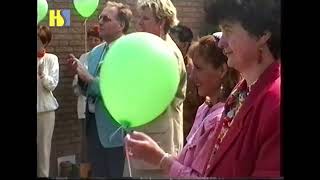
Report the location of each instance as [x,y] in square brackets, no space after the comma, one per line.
[106,125]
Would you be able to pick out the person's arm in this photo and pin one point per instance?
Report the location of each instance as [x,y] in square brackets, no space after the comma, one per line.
[50,80]
[94,87]
[84,77]
[141,146]
[268,162]
[82,86]
[79,87]
[175,169]
[88,82]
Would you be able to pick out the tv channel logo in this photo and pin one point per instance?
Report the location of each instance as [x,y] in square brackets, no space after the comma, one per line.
[59,17]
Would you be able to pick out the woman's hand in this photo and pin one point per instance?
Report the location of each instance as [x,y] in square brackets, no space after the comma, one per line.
[72,62]
[40,70]
[141,146]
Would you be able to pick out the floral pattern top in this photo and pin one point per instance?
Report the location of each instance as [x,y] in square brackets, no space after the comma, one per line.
[232,107]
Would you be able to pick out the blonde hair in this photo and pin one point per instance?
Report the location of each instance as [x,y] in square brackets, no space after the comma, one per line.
[162,10]
[124,13]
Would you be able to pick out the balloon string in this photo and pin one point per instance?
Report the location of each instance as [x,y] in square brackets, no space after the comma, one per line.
[111,136]
[85,36]
[126,148]
[129,163]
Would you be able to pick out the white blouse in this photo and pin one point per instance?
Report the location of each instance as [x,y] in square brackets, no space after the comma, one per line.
[45,99]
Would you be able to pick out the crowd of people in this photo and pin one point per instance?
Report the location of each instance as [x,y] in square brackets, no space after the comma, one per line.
[224,120]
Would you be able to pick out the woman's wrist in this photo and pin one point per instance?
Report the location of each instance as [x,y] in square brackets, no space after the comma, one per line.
[166,162]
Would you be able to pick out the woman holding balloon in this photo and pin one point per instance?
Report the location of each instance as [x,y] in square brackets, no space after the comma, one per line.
[213,79]
[156,17]
[246,142]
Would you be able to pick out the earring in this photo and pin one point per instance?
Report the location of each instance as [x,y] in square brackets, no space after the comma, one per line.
[260,55]
[221,91]
[221,88]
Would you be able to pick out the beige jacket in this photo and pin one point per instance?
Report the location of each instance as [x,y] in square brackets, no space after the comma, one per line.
[167,129]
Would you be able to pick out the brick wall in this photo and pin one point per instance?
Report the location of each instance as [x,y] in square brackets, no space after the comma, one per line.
[66,137]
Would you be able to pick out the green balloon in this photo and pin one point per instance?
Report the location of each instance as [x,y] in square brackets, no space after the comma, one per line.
[42,9]
[138,79]
[86,7]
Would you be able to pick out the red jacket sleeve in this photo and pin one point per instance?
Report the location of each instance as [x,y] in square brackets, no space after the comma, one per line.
[268,162]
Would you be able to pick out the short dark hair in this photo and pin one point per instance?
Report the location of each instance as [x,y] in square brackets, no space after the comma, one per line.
[184,34]
[256,16]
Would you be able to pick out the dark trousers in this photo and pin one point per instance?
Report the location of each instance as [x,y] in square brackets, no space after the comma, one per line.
[83,155]
[105,162]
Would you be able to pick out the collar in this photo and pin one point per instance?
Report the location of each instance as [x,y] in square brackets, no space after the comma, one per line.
[110,44]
